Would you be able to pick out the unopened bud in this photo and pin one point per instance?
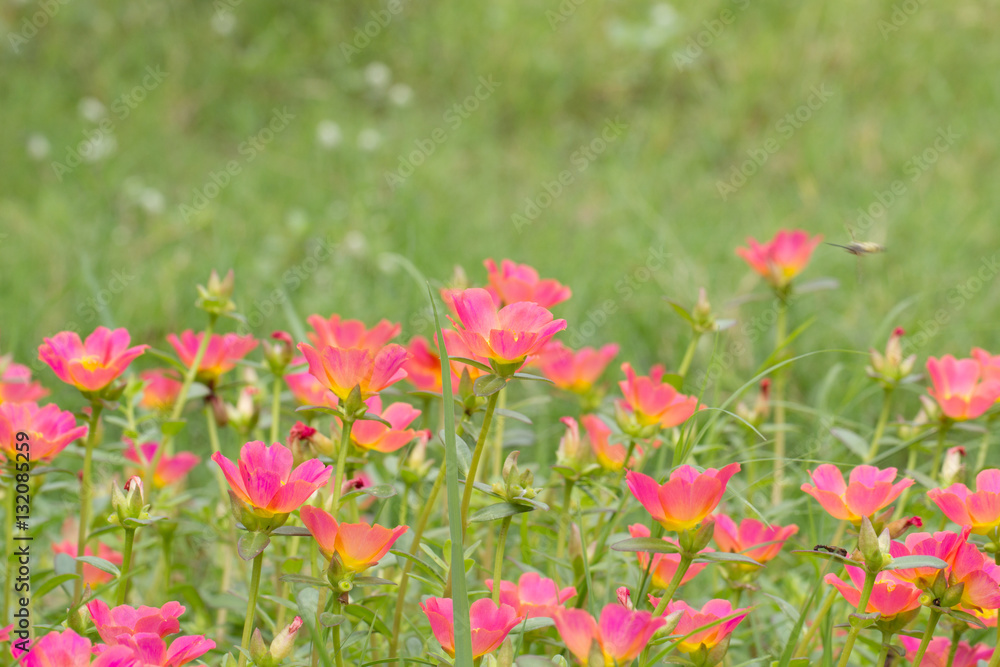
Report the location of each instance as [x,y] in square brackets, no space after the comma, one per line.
[505,656]
[284,641]
[279,351]
[953,469]
[215,298]
[625,597]
[128,504]
[899,526]
[953,595]
[868,544]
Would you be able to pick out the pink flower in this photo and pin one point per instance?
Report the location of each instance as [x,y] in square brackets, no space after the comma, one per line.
[650,401]
[507,335]
[490,624]
[91,575]
[533,595]
[621,634]
[307,390]
[520,282]
[16,385]
[693,618]
[960,387]
[989,364]
[610,456]
[342,369]
[335,332]
[687,497]
[574,371]
[980,510]
[358,545]
[940,648]
[376,436]
[750,533]
[782,258]
[265,480]
[49,429]
[221,355]
[869,491]
[90,365]
[664,565]
[889,597]
[68,649]
[423,367]
[151,650]
[161,389]
[943,545]
[170,470]
[980,575]
[126,620]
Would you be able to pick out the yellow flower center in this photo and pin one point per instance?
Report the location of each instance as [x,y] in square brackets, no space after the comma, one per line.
[90,362]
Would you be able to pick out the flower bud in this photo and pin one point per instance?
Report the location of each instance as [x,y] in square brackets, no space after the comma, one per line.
[128,504]
[417,465]
[953,469]
[244,415]
[625,598]
[258,649]
[702,319]
[952,595]
[505,656]
[571,453]
[306,442]
[695,540]
[284,641]
[280,352]
[890,368]
[870,546]
[215,297]
[899,526]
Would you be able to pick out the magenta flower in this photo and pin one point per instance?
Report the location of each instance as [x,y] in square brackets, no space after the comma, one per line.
[68,649]
[621,634]
[162,386]
[890,596]
[664,565]
[170,470]
[979,510]
[49,429]
[651,401]
[342,369]
[939,650]
[745,537]
[574,371]
[376,436]
[90,365]
[533,595]
[520,282]
[507,335]
[335,332]
[693,618]
[126,620]
[686,498]
[265,481]
[221,355]
[16,385]
[782,258]
[358,545]
[307,390]
[869,491]
[961,388]
[943,545]
[490,624]
[151,650]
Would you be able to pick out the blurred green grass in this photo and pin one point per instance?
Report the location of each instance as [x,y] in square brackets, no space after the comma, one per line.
[655,187]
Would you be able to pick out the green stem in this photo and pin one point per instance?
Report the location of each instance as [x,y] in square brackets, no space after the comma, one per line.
[956,637]
[337,649]
[883,419]
[675,582]
[85,497]
[884,651]
[995,660]
[276,409]
[175,414]
[418,533]
[126,564]
[688,356]
[803,649]
[564,519]
[345,443]
[498,436]
[498,561]
[911,461]
[779,406]
[213,439]
[470,480]
[866,593]
[984,449]
[939,450]
[928,635]
[258,562]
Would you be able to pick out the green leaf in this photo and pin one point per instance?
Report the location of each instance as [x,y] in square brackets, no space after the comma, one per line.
[292,531]
[319,408]
[418,563]
[57,580]
[532,377]
[652,545]
[305,579]
[329,620]
[167,357]
[854,442]
[967,617]
[862,621]
[532,660]
[377,491]
[727,557]
[498,511]
[487,385]
[368,417]
[906,562]
[682,311]
[512,414]
[101,564]
[533,624]
[372,581]
[472,362]
[828,556]
[252,544]
[368,616]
